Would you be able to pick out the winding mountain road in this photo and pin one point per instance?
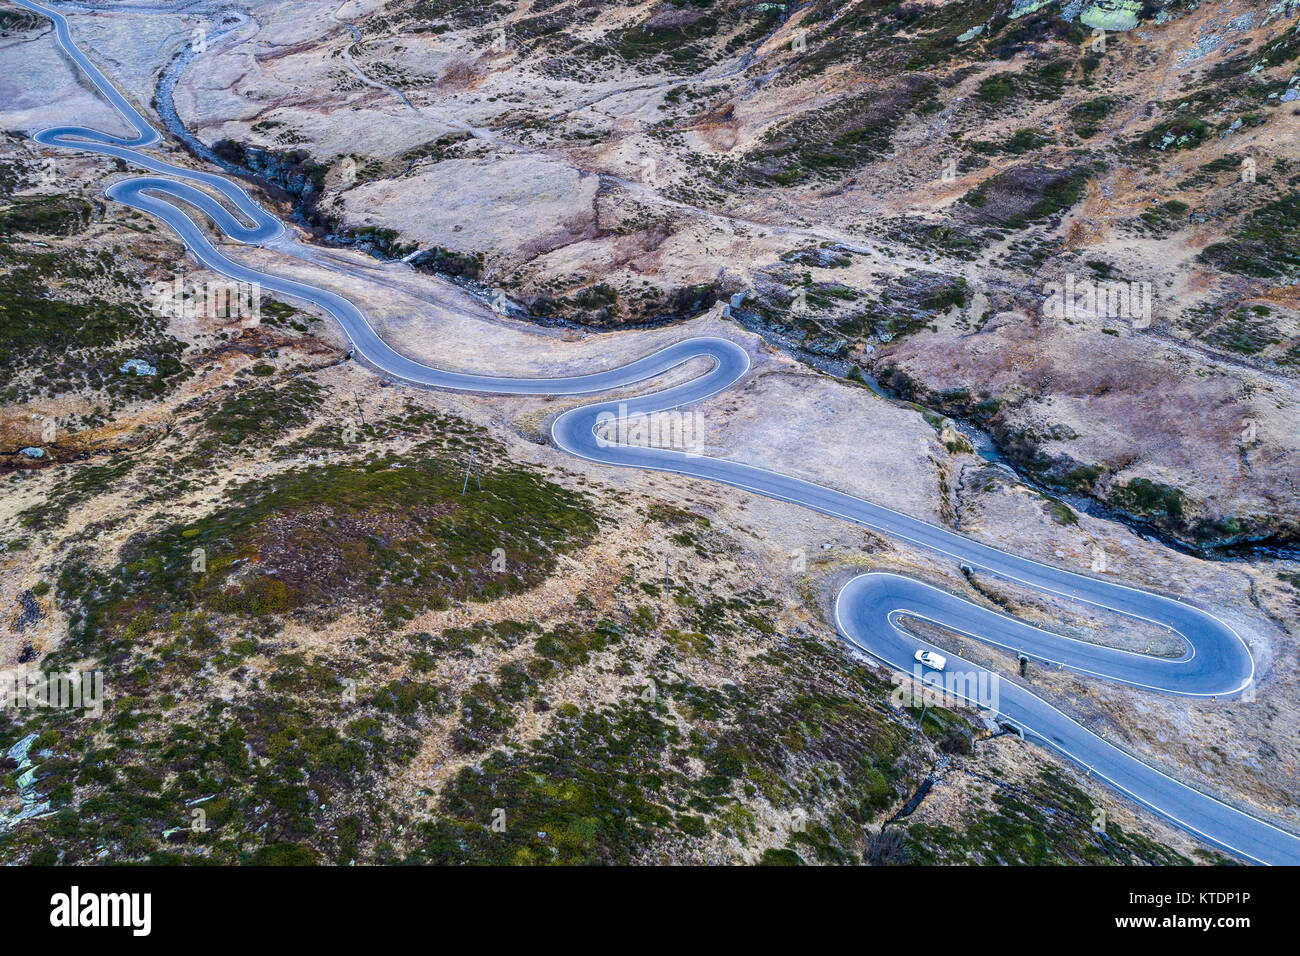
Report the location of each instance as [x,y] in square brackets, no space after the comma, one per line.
[869,607]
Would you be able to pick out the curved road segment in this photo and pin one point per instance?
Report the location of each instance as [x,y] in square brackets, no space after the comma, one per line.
[869,607]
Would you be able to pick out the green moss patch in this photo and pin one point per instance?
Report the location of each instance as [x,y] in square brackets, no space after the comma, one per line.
[837,139]
[391,535]
[69,320]
[1047,822]
[47,216]
[1267,244]
[1148,499]
[1025,194]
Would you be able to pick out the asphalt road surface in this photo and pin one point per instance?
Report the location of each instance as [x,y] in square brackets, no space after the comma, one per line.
[868,609]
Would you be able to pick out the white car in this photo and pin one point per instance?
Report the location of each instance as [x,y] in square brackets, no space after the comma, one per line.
[931,660]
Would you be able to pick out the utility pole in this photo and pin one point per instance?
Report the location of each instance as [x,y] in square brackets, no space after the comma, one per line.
[924,708]
[477,478]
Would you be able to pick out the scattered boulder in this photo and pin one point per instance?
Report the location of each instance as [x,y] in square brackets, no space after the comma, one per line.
[137,366]
[29,610]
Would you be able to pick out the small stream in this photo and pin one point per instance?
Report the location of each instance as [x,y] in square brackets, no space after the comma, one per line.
[981,441]
[231,19]
[987,448]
